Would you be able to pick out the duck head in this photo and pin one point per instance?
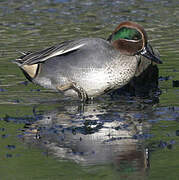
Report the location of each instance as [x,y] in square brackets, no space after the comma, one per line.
[131,39]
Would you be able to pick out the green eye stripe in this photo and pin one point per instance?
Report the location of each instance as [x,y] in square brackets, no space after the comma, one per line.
[127,33]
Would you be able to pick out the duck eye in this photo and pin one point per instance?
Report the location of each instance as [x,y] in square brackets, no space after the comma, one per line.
[135,38]
[127,33]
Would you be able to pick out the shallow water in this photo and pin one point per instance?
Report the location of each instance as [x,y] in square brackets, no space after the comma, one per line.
[45,135]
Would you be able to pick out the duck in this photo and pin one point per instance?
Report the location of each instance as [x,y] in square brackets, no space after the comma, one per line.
[89,67]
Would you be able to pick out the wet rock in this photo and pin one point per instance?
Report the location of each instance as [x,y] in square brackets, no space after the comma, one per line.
[165,78]
[169,146]
[16,101]
[2,129]
[177,132]
[3,136]
[33,90]
[8,155]
[162,144]
[176,83]
[10,147]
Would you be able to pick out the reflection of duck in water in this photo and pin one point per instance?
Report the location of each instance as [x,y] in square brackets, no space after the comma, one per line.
[96,136]
[91,66]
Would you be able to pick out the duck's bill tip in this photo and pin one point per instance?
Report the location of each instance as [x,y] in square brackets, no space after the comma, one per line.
[153,58]
[146,52]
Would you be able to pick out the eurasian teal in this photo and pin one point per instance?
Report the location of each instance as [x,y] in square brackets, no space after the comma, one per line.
[89,67]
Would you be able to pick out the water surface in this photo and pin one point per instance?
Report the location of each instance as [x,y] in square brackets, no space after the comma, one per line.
[45,135]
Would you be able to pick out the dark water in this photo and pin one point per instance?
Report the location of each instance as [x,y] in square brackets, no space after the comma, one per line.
[47,136]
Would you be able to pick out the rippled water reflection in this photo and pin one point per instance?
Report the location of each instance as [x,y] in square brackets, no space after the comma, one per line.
[48,136]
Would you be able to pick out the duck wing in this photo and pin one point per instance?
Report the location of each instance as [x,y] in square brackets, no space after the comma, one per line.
[57,50]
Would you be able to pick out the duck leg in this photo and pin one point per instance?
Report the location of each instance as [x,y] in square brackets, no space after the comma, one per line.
[81,92]
[72,85]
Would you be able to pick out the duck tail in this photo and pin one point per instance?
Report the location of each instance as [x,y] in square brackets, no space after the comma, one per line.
[19,61]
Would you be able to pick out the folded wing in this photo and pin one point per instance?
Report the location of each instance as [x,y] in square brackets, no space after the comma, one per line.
[41,56]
